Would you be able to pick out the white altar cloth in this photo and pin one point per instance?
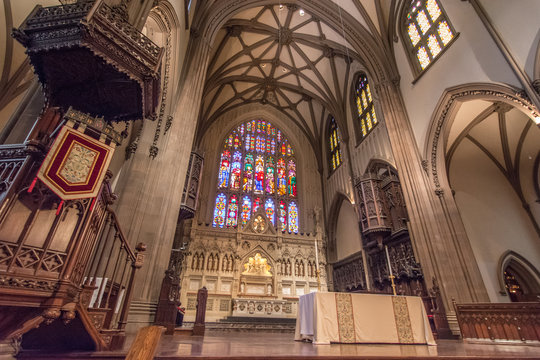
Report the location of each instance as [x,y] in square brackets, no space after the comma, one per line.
[362,318]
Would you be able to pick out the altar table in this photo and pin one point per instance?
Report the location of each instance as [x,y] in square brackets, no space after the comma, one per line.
[362,318]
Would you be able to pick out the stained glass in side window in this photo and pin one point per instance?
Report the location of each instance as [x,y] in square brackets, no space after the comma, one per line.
[444,32]
[423,22]
[433,45]
[433,9]
[423,57]
[414,36]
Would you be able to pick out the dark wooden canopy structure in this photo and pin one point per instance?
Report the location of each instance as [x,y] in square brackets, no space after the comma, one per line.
[88,56]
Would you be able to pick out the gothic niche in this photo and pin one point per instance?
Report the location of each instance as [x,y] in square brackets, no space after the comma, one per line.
[256,279]
[384,223]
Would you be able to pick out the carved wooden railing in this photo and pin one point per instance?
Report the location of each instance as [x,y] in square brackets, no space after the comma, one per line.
[52,254]
[514,322]
[108,283]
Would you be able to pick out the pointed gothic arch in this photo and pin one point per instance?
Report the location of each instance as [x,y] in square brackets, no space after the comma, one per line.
[517,274]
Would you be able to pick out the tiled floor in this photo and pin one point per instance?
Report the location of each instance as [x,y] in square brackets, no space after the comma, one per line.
[222,345]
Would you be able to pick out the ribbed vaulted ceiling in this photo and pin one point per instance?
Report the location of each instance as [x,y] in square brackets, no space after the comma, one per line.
[278,56]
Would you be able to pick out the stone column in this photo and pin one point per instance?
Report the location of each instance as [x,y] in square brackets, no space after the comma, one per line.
[151,189]
[451,262]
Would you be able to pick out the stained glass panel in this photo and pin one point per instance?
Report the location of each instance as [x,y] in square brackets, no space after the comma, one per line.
[258,188]
[219,211]
[366,113]
[433,9]
[270,210]
[248,174]
[423,57]
[281,178]
[223,178]
[283,214]
[445,33]
[292,178]
[364,100]
[423,21]
[246,209]
[256,204]
[270,176]
[334,148]
[434,46]
[248,142]
[232,213]
[235,173]
[258,157]
[428,16]
[293,218]
[414,36]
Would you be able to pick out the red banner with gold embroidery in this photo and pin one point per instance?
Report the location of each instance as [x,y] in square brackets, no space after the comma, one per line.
[76,164]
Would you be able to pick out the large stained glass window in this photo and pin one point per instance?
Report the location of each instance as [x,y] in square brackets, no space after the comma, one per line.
[257,172]
[364,107]
[426,31]
[333,140]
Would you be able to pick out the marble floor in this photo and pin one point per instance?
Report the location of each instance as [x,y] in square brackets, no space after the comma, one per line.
[245,345]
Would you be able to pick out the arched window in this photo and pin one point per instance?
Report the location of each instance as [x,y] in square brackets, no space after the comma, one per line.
[364,107]
[333,142]
[257,170]
[426,31]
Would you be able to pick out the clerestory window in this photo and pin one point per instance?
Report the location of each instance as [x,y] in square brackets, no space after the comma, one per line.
[426,32]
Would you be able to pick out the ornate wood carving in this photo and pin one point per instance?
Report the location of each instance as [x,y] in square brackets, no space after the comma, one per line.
[519,322]
[89,57]
[190,194]
[349,274]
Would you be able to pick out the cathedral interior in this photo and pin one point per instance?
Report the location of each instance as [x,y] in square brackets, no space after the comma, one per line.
[263,150]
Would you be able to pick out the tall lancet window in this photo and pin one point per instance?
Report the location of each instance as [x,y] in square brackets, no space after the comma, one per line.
[333,145]
[256,172]
[426,32]
[367,119]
